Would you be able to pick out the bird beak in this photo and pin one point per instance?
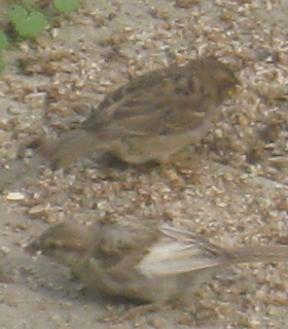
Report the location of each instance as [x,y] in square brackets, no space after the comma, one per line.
[236,89]
[32,247]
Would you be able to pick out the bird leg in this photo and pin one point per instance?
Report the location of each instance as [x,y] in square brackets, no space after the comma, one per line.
[134,312]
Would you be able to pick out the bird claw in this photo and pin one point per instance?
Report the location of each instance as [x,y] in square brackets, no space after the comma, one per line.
[131,314]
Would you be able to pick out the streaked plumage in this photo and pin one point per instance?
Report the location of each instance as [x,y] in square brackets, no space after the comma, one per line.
[152,116]
[145,262]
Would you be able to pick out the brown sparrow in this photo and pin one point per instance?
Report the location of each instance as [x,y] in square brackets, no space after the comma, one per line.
[151,117]
[154,264]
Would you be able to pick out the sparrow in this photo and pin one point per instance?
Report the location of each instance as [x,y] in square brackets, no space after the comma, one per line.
[151,117]
[150,263]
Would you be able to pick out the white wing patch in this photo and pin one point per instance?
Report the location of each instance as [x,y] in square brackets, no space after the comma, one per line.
[178,252]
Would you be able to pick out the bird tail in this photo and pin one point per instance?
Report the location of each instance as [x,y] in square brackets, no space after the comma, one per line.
[258,254]
[70,147]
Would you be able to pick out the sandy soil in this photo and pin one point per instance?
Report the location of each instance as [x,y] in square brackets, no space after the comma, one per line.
[233,189]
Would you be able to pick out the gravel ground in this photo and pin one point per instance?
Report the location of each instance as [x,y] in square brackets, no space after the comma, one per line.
[232,189]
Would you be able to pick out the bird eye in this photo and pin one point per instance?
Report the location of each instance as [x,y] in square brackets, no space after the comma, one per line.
[184,86]
[53,244]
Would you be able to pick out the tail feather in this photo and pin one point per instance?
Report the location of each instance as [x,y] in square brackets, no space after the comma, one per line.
[70,147]
[258,254]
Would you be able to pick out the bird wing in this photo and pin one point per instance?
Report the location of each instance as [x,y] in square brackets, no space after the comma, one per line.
[179,251]
[119,239]
[161,102]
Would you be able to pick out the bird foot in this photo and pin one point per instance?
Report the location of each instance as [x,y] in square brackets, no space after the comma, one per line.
[131,314]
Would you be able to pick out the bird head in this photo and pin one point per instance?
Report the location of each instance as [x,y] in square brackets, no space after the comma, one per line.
[218,78]
[65,243]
